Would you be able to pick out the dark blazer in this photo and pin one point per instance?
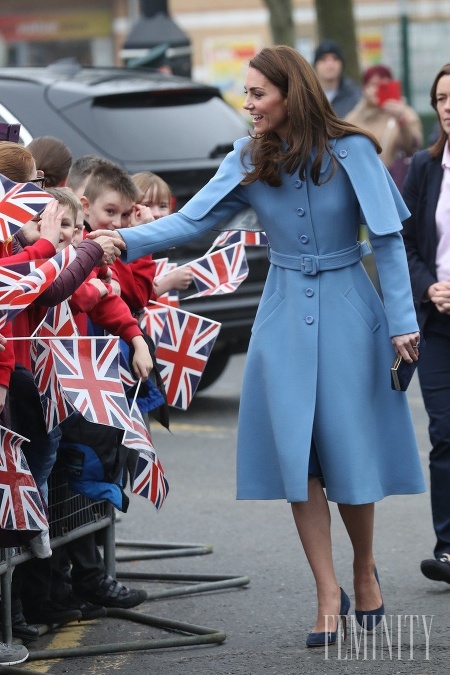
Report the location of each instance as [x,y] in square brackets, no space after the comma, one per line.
[421,193]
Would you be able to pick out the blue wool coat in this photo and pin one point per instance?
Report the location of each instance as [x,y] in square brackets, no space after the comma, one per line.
[316,395]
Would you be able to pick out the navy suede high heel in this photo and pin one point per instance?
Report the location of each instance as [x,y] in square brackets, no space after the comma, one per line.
[370,618]
[329,638]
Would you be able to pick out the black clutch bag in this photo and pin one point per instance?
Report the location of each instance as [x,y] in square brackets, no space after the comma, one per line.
[401,373]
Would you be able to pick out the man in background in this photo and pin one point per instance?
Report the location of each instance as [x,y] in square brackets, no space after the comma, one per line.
[341,91]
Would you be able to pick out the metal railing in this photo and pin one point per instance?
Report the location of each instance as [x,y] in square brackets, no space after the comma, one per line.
[72,516]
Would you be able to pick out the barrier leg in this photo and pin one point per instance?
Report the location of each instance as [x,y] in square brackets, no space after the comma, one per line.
[5,584]
[201,583]
[109,553]
[192,635]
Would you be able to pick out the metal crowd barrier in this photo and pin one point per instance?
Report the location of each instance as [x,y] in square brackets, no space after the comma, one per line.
[71,516]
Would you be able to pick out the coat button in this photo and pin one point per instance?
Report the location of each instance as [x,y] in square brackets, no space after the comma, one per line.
[309,292]
[309,319]
[343,153]
[300,211]
[298,183]
[304,239]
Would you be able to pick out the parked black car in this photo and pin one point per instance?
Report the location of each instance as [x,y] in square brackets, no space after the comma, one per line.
[144,120]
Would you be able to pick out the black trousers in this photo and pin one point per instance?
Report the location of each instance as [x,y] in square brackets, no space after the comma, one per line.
[78,564]
[434,378]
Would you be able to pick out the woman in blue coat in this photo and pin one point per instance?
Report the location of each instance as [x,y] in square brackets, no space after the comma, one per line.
[317,410]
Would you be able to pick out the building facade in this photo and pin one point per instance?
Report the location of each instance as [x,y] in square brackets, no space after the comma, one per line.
[223,34]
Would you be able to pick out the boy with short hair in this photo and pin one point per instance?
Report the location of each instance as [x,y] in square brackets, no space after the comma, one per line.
[80,171]
[111,197]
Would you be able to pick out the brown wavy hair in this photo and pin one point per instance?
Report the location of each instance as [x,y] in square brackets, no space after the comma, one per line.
[437,148]
[312,120]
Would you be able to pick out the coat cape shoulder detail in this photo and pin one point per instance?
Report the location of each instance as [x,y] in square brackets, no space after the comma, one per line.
[356,156]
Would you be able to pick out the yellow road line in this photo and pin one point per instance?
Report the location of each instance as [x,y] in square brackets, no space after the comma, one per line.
[65,638]
[177,426]
[71,636]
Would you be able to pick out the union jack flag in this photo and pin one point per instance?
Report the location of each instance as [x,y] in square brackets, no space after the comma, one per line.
[55,406]
[128,380]
[88,371]
[138,437]
[19,203]
[241,236]
[21,506]
[163,267]
[182,354]
[149,480]
[153,320]
[14,299]
[13,274]
[57,323]
[55,411]
[170,298]
[220,272]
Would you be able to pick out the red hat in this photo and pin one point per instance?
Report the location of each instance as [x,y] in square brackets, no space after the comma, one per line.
[381,71]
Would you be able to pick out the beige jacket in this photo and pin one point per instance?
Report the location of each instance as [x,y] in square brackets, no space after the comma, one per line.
[395,139]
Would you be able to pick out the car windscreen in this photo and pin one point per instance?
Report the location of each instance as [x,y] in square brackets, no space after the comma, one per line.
[164,127]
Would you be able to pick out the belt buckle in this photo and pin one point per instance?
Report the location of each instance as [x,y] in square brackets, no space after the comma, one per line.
[309,265]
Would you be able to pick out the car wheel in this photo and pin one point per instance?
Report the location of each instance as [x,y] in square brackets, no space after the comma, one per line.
[217,363]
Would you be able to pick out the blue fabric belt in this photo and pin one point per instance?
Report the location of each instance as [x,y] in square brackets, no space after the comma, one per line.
[313,264]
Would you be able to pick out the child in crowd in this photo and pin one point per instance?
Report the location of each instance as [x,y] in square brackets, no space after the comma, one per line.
[157,196]
[80,171]
[88,584]
[53,158]
[31,581]
[17,164]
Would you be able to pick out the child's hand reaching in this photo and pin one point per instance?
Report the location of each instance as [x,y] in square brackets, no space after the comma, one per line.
[45,226]
[99,285]
[141,214]
[31,230]
[50,223]
[179,279]
[142,361]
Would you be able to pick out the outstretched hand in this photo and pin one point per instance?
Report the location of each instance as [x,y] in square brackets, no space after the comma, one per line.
[118,243]
[110,249]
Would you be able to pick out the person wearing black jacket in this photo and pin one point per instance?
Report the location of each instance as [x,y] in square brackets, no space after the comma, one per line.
[340,90]
[426,192]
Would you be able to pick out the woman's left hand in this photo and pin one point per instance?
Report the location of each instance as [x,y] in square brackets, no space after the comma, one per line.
[407,346]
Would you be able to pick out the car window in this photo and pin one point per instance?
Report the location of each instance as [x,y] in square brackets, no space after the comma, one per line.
[136,128]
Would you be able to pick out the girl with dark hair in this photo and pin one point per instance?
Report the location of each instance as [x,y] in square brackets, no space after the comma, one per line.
[318,419]
[53,158]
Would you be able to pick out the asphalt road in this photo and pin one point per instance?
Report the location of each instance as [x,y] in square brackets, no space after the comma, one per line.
[266,621]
